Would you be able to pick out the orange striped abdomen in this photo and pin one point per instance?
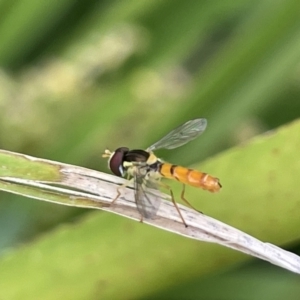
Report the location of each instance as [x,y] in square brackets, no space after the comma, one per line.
[190,177]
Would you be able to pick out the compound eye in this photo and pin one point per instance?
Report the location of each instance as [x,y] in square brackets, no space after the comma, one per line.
[116,161]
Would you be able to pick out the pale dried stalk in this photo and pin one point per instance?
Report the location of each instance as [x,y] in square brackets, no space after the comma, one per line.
[99,189]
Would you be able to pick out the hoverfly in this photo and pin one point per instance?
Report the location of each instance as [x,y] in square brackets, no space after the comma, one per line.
[146,170]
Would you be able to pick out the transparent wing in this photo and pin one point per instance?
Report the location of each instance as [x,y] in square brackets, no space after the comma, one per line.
[147,203]
[181,135]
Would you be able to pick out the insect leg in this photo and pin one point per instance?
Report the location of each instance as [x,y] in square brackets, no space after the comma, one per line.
[124,185]
[174,202]
[187,202]
[141,219]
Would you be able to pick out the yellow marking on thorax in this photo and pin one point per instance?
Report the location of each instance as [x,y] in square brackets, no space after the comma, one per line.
[127,164]
[129,167]
[152,159]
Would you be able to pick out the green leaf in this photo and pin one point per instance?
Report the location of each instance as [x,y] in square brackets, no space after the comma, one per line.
[105,256]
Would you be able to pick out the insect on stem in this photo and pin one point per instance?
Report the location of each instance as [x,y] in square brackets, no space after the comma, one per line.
[146,170]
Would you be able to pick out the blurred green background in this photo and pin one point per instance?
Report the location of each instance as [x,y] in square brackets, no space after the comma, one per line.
[79,76]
